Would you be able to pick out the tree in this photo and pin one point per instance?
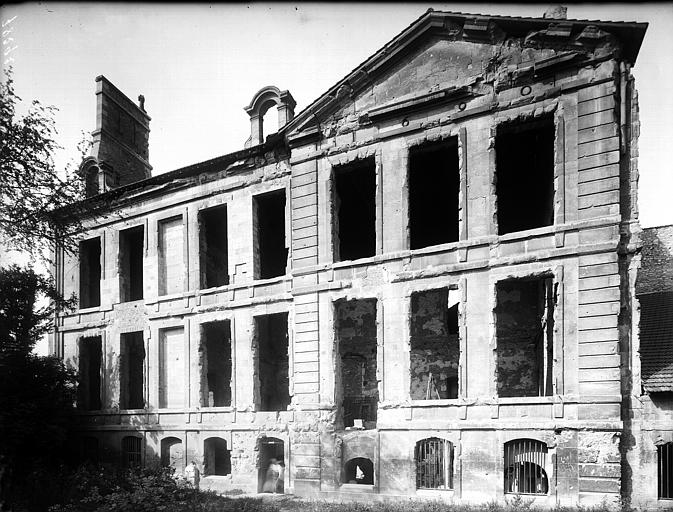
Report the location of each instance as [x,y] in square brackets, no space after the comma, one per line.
[37,394]
[32,188]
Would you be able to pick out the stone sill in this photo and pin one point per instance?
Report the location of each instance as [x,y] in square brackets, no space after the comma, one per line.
[363,488]
[435,493]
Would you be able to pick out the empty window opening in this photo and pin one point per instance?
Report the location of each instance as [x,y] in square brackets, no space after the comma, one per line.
[89,273]
[524,331]
[213,247]
[172,454]
[216,457]
[665,471]
[525,462]
[131,249]
[270,249]
[359,471]
[271,472]
[434,464]
[171,256]
[132,371]
[171,368]
[525,175]
[89,388]
[354,210]
[215,354]
[272,366]
[91,184]
[356,331]
[88,449]
[434,187]
[131,451]
[270,121]
[435,344]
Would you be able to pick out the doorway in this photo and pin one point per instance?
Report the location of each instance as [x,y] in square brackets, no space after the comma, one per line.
[271,479]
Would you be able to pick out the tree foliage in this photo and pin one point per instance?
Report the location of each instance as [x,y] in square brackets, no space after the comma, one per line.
[31,186]
[37,394]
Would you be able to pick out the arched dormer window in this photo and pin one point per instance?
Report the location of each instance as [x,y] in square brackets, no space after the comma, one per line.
[265,99]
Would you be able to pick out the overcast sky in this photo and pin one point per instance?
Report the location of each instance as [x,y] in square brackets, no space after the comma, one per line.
[198,65]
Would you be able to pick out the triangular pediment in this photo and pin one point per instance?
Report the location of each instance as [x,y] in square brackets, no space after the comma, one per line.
[444,57]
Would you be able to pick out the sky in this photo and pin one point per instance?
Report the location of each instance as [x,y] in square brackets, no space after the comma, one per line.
[199,65]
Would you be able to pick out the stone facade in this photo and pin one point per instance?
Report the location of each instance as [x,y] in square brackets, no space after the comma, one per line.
[477,332]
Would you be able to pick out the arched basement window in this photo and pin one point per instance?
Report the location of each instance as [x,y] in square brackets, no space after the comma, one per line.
[217,458]
[172,454]
[359,471]
[665,471]
[525,462]
[434,464]
[131,451]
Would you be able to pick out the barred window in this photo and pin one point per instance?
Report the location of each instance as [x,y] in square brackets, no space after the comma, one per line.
[525,462]
[434,464]
[665,471]
[131,451]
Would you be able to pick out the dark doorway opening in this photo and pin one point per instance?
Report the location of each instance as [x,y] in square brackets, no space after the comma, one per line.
[271,473]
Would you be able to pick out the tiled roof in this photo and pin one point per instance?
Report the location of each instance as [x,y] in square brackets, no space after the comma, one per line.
[656,341]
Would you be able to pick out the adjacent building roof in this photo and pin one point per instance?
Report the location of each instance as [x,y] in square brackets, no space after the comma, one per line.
[656,341]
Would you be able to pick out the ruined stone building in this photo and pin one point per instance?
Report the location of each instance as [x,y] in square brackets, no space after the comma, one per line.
[422,285]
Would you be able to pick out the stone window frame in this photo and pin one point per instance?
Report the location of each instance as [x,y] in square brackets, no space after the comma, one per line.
[532,112]
[527,271]
[272,186]
[197,332]
[348,295]
[172,435]
[170,215]
[91,235]
[147,336]
[458,131]
[265,310]
[104,381]
[124,454]
[450,437]
[451,283]
[327,166]
[118,230]
[153,361]
[545,437]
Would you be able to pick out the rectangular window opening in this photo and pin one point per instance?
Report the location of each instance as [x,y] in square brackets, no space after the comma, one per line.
[524,332]
[354,210]
[525,175]
[356,330]
[213,247]
[171,256]
[665,471]
[269,229]
[89,273]
[435,344]
[90,358]
[434,188]
[172,368]
[131,249]
[215,355]
[272,362]
[132,371]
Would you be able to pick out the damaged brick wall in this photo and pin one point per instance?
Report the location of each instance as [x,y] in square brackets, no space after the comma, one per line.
[435,348]
[356,333]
